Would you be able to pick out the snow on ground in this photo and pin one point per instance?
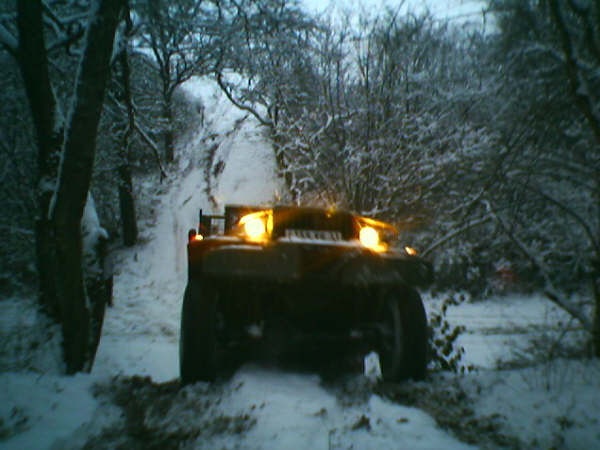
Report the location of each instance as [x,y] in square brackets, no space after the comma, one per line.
[39,409]
[552,405]
[295,411]
[553,402]
[249,173]
[150,280]
[502,328]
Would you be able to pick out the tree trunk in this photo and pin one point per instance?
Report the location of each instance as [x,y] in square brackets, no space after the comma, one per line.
[596,318]
[126,199]
[127,206]
[44,246]
[61,202]
[98,272]
[169,136]
[49,135]
[74,183]
[70,287]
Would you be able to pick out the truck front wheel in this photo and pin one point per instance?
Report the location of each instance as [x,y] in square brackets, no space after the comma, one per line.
[403,336]
[197,340]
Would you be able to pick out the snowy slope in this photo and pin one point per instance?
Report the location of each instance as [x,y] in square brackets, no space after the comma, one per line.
[150,281]
[262,407]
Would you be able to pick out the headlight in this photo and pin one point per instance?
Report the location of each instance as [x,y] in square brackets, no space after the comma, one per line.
[411,251]
[254,227]
[369,237]
[375,235]
[257,226]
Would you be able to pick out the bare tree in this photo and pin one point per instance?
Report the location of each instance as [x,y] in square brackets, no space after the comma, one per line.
[181,37]
[262,44]
[120,94]
[66,148]
[552,125]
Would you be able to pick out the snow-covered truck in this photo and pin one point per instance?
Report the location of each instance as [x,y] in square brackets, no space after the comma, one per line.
[303,275]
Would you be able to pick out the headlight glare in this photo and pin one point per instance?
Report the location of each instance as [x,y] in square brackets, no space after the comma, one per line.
[254,227]
[369,237]
[257,226]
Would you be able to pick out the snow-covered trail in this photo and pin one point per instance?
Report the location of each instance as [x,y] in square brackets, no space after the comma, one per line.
[296,411]
[141,332]
[291,410]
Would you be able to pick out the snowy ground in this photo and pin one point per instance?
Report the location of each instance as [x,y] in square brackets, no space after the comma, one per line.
[132,398]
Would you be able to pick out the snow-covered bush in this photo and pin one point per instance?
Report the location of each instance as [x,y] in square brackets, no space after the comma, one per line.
[395,132]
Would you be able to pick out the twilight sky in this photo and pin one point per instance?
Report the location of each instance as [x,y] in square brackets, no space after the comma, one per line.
[461,10]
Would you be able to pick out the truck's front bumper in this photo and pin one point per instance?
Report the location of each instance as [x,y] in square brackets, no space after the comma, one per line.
[289,262]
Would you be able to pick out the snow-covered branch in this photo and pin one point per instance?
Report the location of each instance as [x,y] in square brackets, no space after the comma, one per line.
[153,145]
[455,233]
[244,107]
[550,290]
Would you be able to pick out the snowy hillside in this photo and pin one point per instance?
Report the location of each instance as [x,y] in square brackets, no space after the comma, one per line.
[132,397]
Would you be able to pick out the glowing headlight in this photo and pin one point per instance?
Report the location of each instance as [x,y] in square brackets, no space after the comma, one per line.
[375,234]
[410,251]
[254,227]
[257,226]
[369,237]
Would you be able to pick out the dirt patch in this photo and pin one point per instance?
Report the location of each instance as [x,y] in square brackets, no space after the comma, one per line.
[444,398]
[163,415]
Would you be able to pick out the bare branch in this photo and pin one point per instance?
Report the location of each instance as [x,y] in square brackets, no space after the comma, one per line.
[8,41]
[17,230]
[227,91]
[156,150]
[457,232]
[571,212]
[550,290]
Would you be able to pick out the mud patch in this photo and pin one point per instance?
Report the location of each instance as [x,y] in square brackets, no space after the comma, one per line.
[163,415]
[444,398]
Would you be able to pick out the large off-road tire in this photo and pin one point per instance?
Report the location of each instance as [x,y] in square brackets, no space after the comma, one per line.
[403,343]
[197,340]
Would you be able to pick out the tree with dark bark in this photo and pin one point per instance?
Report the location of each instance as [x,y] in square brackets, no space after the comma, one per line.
[126,110]
[66,150]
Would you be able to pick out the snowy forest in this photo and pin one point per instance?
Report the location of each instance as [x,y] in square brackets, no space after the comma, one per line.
[481,143]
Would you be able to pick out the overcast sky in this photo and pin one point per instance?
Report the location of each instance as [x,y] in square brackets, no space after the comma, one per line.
[462,10]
